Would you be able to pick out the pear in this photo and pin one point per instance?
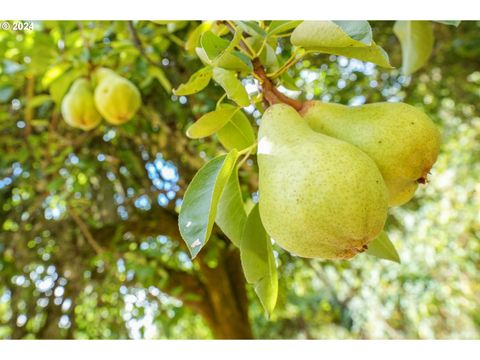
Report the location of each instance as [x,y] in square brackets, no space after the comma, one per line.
[78,109]
[401,139]
[319,197]
[117,98]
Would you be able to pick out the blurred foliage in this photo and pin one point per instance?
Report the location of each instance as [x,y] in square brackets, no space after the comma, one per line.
[89,244]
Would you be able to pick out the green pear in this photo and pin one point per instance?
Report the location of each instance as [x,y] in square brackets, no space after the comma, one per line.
[117,98]
[319,197]
[401,139]
[78,108]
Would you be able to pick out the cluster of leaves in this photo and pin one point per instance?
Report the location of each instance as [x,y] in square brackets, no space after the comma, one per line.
[118,180]
[209,198]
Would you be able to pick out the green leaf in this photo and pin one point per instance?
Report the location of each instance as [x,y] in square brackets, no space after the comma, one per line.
[197,82]
[59,87]
[237,133]
[416,39]
[230,61]
[38,100]
[258,261]
[213,45]
[374,54]
[352,39]
[322,34]
[194,36]
[231,215]
[383,248]
[159,74]
[199,207]
[357,30]
[232,86]
[211,122]
[281,26]
[449,22]
[251,28]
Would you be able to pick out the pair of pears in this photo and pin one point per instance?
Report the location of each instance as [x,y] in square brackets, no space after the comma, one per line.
[115,98]
[327,176]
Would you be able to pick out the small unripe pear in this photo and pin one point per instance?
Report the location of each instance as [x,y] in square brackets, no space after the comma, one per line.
[117,98]
[78,108]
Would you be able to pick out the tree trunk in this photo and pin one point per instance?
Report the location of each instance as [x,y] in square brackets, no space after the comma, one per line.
[227,297]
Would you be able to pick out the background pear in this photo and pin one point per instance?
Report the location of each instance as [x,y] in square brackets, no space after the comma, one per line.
[401,139]
[319,197]
[117,98]
[78,108]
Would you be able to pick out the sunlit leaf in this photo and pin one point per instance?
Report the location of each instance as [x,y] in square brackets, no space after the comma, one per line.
[197,82]
[383,248]
[211,122]
[232,86]
[374,54]
[237,133]
[416,39]
[199,207]
[323,34]
[280,26]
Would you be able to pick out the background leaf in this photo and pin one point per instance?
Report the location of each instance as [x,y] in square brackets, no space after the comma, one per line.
[258,261]
[416,39]
[199,207]
[383,248]
[449,22]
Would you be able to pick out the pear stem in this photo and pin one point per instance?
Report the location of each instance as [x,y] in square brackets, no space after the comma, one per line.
[270,92]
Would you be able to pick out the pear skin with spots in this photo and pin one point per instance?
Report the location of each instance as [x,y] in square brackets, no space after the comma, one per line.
[402,140]
[319,197]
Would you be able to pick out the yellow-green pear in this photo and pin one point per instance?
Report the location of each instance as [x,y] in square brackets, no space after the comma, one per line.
[78,108]
[117,98]
[401,139]
[319,197]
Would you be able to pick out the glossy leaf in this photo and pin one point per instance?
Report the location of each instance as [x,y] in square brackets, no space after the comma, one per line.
[231,215]
[258,261]
[211,122]
[237,133]
[383,248]
[322,34]
[357,30]
[199,207]
[232,86]
[197,82]
[416,39]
